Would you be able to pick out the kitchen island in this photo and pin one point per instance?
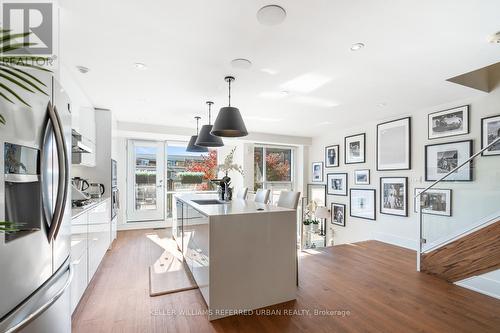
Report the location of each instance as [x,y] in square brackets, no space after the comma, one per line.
[241,254]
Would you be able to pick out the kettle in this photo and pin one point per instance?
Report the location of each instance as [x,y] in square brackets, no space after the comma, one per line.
[80,184]
[96,190]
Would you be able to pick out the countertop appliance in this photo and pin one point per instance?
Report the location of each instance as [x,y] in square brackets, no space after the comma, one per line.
[80,184]
[96,190]
[35,272]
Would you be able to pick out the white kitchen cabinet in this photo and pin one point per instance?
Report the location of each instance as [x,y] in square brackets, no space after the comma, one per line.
[99,229]
[79,259]
[87,123]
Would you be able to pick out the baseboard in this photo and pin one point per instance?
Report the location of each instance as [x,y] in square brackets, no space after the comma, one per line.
[408,243]
[481,284]
[144,225]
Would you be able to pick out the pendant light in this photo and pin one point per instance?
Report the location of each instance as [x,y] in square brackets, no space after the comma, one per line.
[205,138]
[229,122]
[192,147]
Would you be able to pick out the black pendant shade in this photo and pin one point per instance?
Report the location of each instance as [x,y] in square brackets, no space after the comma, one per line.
[205,138]
[192,147]
[229,122]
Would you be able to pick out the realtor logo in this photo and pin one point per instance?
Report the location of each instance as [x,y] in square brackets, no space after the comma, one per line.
[36,18]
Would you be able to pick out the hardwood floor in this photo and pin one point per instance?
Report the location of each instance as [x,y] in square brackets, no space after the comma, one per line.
[373,286]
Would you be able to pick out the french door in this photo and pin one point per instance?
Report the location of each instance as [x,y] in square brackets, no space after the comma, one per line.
[145,180]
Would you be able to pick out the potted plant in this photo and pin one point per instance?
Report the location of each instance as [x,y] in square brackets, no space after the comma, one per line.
[225,182]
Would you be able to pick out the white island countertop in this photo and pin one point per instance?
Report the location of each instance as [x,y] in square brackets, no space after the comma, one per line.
[233,207]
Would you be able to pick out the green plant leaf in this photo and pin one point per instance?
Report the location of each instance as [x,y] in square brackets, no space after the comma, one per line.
[3,69]
[3,86]
[8,37]
[2,119]
[16,82]
[25,73]
[13,47]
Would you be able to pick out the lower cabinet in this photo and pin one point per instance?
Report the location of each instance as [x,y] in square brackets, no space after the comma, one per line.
[90,239]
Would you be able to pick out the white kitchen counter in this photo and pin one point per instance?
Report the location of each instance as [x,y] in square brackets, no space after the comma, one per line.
[241,258]
[75,212]
[234,207]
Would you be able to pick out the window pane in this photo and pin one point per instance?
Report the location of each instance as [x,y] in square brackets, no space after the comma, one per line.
[278,165]
[145,178]
[258,168]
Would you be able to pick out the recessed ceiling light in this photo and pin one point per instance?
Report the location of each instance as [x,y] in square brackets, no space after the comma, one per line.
[381,105]
[314,101]
[271,15]
[306,83]
[241,63]
[140,65]
[357,46]
[83,69]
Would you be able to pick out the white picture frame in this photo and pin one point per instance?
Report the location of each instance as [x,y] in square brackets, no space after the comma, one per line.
[446,123]
[394,145]
[337,183]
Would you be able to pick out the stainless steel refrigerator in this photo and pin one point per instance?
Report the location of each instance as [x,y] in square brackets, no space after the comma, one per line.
[35,273]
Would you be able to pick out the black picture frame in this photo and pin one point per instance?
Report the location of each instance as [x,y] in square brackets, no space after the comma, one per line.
[417,210]
[483,143]
[346,150]
[345,175]
[355,177]
[335,165]
[332,219]
[408,146]
[383,210]
[471,152]
[429,116]
[322,172]
[374,194]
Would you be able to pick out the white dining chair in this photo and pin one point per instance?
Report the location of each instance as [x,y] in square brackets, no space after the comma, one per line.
[242,193]
[289,199]
[262,196]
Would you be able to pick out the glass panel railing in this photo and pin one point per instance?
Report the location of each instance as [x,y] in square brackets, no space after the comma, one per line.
[467,198]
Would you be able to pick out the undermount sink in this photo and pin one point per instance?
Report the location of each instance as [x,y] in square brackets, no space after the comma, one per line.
[209,202]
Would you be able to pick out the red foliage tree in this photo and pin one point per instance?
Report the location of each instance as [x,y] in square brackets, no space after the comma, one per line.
[277,167]
[208,165]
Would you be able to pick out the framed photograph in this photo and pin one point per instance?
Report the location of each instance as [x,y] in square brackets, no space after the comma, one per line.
[355,148]
[394,145]
[336,183]
[362,203]
[434,201]
[332,156]
[317,193]
[394,196]
[317,172]
[338,214]
[490,131]
[362,177]
[449,122]
[442,158]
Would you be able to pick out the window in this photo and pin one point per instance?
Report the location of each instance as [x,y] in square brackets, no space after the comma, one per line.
[273,169]
[187,172]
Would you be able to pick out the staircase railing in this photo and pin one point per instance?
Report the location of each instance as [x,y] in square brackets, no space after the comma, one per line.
[474,203]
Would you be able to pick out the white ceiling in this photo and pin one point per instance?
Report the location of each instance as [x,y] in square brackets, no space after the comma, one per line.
[412,47]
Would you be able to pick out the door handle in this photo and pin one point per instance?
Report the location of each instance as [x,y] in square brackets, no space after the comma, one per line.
[64,177]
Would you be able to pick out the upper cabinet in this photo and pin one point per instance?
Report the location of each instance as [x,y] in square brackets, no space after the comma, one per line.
[86,123]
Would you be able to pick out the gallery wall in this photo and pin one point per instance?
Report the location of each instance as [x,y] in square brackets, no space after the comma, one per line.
[468,200]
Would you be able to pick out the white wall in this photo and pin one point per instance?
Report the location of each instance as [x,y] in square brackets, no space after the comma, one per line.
[404,231]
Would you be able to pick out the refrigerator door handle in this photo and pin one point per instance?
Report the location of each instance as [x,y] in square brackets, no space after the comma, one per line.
[63,157]
[59,139]
[41,309]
